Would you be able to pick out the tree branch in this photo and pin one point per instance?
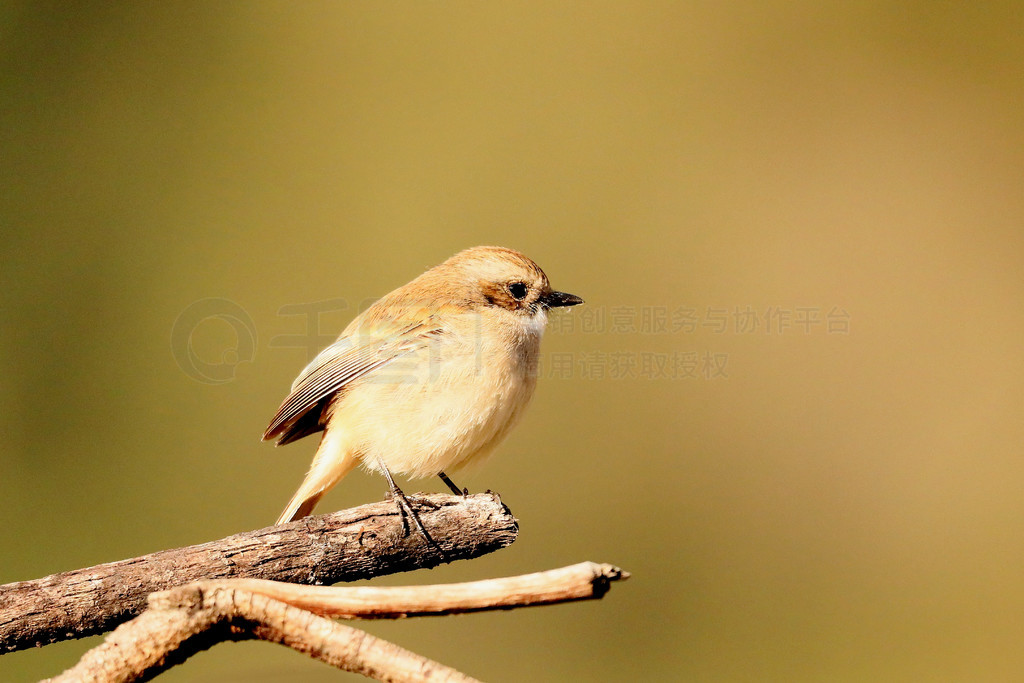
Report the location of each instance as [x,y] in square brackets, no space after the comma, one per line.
[576,582]
[343,546]
[188,619]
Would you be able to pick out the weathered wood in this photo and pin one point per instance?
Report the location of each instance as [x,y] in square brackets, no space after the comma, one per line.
[158,639]
[583,581]
[191,618]
[358,543]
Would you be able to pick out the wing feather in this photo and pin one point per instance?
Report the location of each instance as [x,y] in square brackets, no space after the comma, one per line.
[334,367]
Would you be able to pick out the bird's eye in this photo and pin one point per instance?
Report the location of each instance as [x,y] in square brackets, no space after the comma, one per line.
[518,290]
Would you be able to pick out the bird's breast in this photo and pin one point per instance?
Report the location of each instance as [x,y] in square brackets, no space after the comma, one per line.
[441,407]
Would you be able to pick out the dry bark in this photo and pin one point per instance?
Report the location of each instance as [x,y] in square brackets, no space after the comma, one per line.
[361,542]
[185,620]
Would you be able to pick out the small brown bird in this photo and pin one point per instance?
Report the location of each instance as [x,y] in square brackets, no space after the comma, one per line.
[429,378]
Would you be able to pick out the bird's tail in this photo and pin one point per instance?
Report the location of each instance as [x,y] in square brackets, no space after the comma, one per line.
[332,462]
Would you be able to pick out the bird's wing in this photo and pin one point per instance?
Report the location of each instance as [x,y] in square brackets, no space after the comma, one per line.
[350,357]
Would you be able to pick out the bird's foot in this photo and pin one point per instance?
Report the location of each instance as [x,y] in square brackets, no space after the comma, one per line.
[451,485]
[408,514]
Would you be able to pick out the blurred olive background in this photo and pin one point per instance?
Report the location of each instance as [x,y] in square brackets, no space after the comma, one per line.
[836,495]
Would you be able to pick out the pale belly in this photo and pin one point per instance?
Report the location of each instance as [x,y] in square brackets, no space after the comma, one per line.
[419,419]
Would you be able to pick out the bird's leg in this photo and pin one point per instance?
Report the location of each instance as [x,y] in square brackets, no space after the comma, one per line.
[406,511]
[451,484]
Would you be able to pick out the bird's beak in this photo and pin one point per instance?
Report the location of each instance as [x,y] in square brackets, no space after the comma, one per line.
[556,299]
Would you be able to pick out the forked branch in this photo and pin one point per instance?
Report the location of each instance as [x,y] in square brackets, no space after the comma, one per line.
[185,620]
[351,544]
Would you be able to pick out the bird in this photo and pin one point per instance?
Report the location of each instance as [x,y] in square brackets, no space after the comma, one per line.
[428,379]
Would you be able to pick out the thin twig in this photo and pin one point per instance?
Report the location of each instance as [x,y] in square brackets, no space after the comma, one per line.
[575,582]
[160,638]
[188,619]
